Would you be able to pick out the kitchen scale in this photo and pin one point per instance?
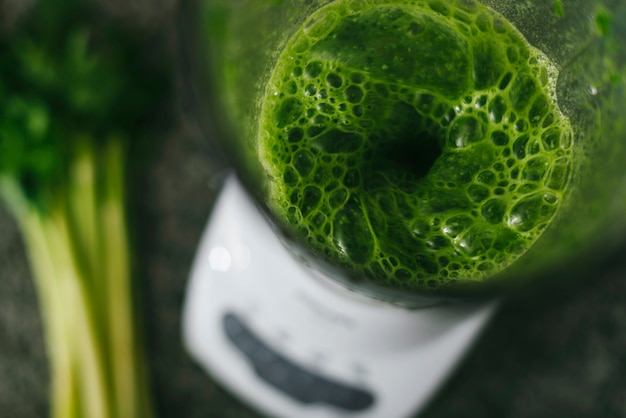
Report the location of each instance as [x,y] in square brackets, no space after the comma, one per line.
[293,343]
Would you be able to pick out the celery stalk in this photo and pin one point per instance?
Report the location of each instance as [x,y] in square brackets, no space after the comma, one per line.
[72,94]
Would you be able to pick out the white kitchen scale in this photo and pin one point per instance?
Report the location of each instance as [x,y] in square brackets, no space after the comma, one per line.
[293,343]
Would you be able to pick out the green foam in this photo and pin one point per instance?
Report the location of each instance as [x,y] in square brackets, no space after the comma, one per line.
[415,143]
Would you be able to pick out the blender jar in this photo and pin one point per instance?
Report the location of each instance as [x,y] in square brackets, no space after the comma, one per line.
[423,147]
[397,158]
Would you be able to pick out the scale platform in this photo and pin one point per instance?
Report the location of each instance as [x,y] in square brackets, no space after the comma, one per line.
[293,343]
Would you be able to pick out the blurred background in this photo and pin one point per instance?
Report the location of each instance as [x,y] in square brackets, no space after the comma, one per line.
[558,353]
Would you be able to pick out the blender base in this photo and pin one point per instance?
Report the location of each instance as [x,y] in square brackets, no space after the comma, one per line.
[293,343]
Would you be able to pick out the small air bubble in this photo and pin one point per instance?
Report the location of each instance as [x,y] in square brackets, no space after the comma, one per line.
[354,94]
[334,80]
[310,90]
[313,69]
[326,108]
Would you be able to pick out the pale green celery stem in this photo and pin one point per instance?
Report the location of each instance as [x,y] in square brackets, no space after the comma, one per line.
[79,375]
[63,381]
[130,377]
[82,201]
[86,231]
[64,387]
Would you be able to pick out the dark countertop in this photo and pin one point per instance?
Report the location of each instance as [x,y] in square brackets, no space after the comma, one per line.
[545,356]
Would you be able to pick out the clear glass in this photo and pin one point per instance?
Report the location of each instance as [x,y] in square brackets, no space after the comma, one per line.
[425,147]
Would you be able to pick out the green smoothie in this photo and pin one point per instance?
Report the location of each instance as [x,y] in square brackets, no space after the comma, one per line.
[416,144]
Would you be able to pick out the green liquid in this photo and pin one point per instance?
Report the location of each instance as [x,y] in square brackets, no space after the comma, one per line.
[414,143]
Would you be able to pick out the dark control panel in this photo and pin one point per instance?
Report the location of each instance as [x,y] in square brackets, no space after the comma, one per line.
[293,380]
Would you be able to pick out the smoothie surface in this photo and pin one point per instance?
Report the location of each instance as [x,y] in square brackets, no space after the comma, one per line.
[414,143]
